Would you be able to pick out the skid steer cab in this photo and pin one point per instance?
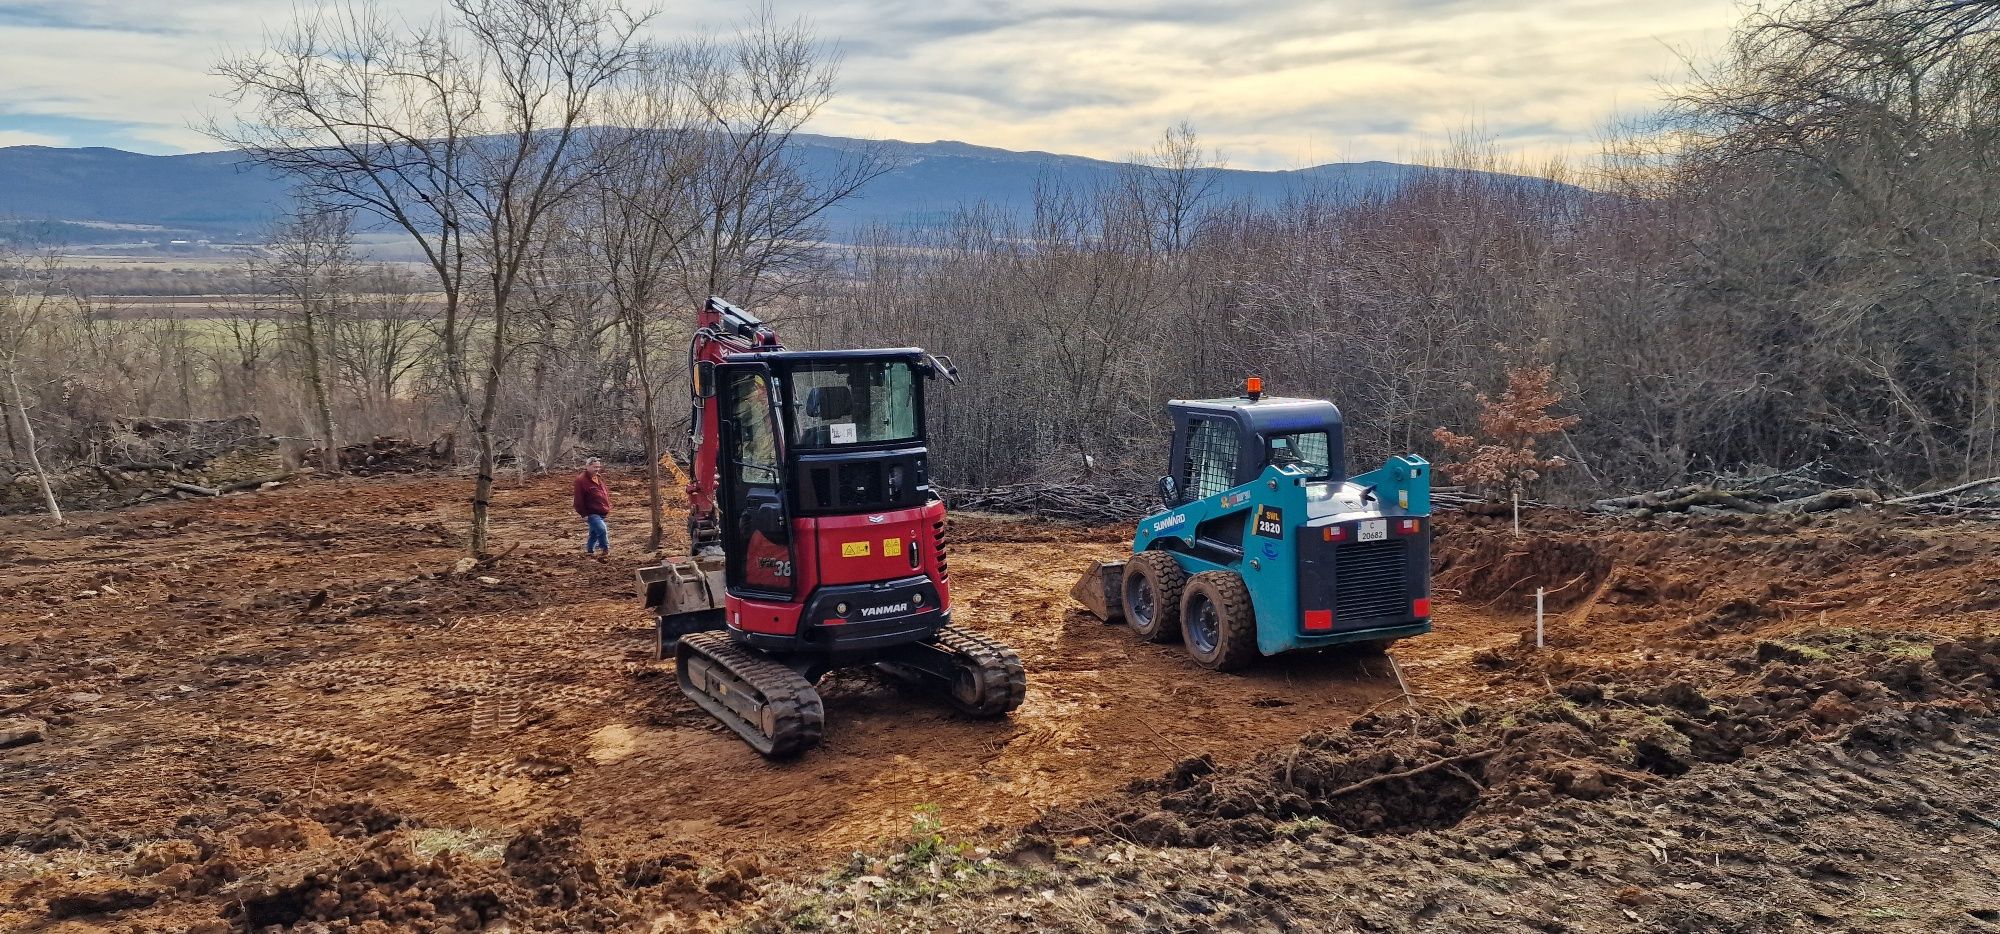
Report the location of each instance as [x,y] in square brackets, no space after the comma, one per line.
[1266,545]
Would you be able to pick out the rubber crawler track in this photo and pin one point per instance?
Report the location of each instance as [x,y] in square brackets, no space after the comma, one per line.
[1002,679]
[798,717]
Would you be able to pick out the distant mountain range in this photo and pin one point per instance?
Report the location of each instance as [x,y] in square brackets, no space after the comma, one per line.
[97,195]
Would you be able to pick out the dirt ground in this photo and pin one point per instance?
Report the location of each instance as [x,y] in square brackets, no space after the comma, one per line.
[284,706]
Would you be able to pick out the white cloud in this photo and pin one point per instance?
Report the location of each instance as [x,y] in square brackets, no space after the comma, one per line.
[1274,83]
[25,138]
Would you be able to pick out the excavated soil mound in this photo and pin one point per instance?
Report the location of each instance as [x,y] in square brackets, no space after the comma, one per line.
[352,866]
[1587,739]
[1496,569]
[1684,580]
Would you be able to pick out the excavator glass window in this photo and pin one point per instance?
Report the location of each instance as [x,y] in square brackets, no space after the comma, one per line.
[838,403]
[1211,458]
[756,528]
[756,453]
[1306,450]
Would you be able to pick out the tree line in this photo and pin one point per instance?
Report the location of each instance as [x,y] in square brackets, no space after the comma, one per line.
[1794,261]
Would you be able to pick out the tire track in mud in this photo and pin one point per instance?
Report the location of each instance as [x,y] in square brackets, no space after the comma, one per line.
[487,680]
[513,790]
[1892,831]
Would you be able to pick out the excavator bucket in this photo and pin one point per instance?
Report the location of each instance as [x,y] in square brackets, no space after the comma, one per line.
[686,594]
[1098,590]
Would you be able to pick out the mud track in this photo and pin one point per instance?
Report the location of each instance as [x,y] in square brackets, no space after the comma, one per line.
[199,661]
[239,693]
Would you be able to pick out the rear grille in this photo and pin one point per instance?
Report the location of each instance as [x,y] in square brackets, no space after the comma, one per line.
[1370,579]
[937,539]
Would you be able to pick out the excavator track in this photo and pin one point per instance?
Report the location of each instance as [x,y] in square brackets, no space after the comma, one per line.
[979,676]
[773,708]
[997,683]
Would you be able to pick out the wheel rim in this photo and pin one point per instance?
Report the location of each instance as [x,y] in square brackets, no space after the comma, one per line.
[1204,625]
[1139,598]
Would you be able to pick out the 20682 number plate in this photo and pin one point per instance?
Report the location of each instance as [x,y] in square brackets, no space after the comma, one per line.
[1371,530]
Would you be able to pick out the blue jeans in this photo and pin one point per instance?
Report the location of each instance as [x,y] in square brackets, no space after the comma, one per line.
[600,535]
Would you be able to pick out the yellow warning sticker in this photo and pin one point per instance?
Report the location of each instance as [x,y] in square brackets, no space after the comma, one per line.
[854,549]
[891,547]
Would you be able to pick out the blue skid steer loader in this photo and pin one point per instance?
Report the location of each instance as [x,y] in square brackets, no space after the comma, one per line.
[1266,545]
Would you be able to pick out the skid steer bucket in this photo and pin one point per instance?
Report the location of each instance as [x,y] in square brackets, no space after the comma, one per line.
[1099,590]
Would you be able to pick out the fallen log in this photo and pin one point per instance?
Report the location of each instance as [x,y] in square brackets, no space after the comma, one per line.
[1710,497]
[1940,494]
[1831,499]
[1646,500]
[259,482]
[193,488]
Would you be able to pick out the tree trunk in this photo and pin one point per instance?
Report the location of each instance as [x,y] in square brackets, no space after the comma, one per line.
[13,441]
[482,431]
[329,442]
[482,486]
[34,457]
[648,426]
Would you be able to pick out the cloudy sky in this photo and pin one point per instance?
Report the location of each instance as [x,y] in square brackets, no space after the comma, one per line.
[1271,83]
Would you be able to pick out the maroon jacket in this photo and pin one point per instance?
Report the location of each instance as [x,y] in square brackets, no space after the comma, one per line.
[593,498]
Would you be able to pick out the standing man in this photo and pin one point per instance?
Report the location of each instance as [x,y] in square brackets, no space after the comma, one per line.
[593,503]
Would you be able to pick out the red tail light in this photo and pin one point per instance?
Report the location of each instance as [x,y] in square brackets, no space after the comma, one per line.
[1334,533]
[1421,607]
[1319,620]
[1412,526]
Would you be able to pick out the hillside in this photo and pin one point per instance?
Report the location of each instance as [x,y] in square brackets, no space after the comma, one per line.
[76,195]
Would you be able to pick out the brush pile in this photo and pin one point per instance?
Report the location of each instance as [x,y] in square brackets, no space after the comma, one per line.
[1799,491]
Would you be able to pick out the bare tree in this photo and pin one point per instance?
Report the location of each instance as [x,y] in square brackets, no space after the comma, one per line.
[379,348]
[310,269]
[467,134]
[639,221]
[762,235]
[24,307]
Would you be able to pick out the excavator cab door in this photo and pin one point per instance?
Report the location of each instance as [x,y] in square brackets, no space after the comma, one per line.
[755,518]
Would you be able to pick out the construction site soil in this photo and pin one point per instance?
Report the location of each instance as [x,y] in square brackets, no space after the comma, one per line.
[299,709]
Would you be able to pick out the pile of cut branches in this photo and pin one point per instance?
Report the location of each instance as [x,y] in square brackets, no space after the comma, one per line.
[1801,490]
[386,454]
[1075,502]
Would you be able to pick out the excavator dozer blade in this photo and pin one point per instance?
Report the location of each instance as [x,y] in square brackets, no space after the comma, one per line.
[1098,590]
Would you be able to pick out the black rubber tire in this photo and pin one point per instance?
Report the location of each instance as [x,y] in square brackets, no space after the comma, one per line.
[1151,592]
[1220,599]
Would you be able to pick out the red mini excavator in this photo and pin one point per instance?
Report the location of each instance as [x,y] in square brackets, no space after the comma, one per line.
[816,540]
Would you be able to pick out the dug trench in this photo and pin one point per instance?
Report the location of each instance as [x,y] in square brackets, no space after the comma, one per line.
[295,708]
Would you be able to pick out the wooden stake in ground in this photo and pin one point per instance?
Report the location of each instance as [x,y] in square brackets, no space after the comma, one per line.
[1539,594]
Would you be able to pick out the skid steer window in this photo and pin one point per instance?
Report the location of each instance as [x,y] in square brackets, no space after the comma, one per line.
[1211,458]
[1306,450]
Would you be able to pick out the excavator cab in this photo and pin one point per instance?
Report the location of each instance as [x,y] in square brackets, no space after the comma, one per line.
[824,486]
